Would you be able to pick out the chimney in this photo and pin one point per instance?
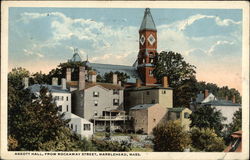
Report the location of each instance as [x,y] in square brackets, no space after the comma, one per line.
[165,82]
[63,83]
[138,83]
[226,98]
[68,74]
[114,78]
[54,81]
[205,93]
[26,82]
[92,77]
[233,99]
[81,82]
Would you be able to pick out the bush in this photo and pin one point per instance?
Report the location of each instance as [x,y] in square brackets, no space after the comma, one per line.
[140,131]
[170,136]
[103,145]
[206,139]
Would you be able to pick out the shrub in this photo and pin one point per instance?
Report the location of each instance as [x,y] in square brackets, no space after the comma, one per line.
[170,137]
[103,145]
[206,139]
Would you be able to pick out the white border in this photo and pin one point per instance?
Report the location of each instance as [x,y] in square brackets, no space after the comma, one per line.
[132,4]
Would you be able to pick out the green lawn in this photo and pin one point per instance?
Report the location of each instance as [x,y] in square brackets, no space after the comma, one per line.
[137,149]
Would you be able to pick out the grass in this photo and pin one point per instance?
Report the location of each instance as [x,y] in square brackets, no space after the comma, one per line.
[138,149]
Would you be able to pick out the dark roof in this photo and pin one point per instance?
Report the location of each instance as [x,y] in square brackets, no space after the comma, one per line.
[101,69]
[221,103]
[89,85]
[76,58]
[142,106]
[156,86]
[177,109]
[147,22]
[36,88]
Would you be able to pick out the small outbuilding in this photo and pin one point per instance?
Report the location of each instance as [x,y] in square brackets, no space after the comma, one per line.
[146,116]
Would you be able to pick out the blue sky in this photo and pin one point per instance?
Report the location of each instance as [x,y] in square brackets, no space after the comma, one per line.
[210,39]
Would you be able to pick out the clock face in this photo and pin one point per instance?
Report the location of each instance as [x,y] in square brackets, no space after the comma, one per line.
[151,39]
[142,39]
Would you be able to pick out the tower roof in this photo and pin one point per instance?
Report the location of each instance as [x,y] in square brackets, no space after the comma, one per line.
[147,22]
[76,57]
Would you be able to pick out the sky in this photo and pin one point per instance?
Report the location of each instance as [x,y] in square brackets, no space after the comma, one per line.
[210,39]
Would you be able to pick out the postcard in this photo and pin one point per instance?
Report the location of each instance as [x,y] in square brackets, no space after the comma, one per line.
[125,80]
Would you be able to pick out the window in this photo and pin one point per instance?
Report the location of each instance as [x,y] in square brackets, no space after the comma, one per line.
[151,60]
[148,93]
[178,115]
[56,97]
[151,73]
[60,108]
[186,115]
[95,113]
[62,98]
[115,101]
[163,92]
[71,126]
[154,120]
[86,127]
[115,91]
[153,101]
[76,128]
[67,108]
[67,98]
[95,94]
[95,103]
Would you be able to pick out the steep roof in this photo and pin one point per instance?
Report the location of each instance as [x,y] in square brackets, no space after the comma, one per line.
[76,58]
[89,85]
[56,89]
[142,106]
[147,22]
[101,69]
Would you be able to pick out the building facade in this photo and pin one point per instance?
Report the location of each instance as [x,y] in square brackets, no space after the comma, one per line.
[62,97]
[147,116]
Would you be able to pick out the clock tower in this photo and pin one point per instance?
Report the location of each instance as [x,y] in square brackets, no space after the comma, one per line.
[147,49]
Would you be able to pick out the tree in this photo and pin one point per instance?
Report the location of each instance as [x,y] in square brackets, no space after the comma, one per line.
[207,117]
[181,76]
[35,123]
[108,77]
[207,140]
[173,66]
[234,126]
[170,136]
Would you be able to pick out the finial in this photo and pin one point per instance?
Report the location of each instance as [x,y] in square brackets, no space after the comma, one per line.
[87,57]
[75,50]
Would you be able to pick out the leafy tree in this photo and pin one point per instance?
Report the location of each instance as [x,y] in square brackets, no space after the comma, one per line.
[170,136]
[108,77]
[35,123]
[207,140]
[207,117]
[173,66]
[40,78]
[234,126]
[181,76]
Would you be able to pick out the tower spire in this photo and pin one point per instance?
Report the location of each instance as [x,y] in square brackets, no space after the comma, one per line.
[148,21]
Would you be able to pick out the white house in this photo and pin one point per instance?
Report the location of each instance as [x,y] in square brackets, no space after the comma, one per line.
[62,98]
[79,125]
[226,107]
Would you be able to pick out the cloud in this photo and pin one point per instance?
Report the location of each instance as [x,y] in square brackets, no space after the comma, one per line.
[217,44]
[32,53]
